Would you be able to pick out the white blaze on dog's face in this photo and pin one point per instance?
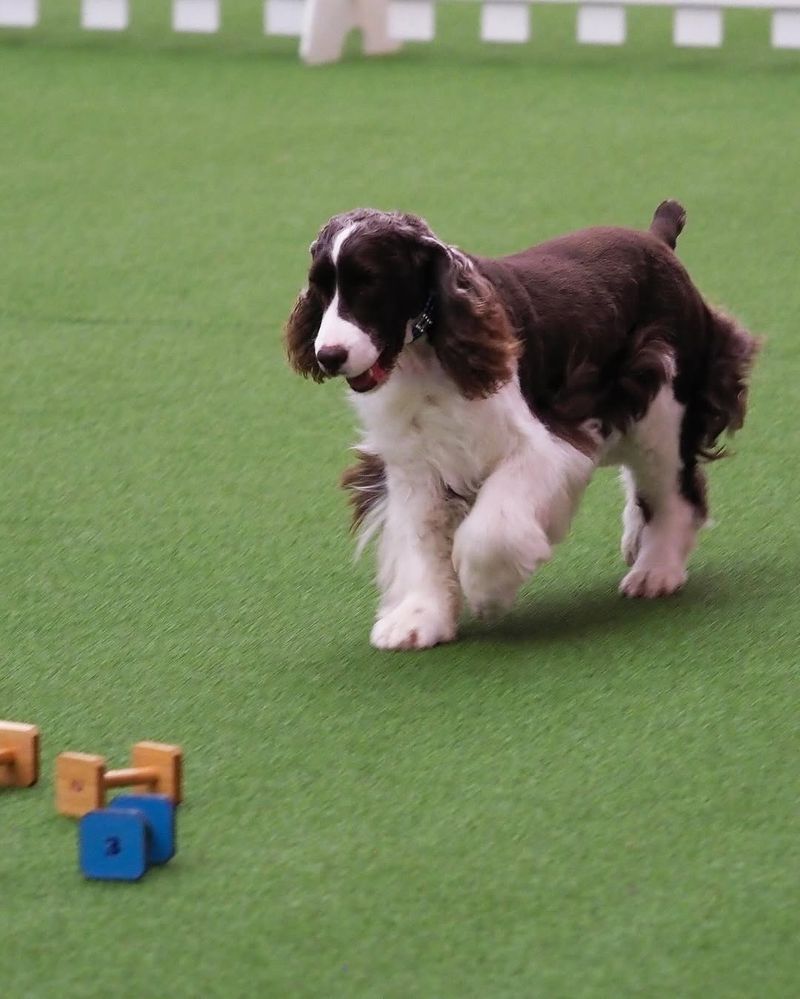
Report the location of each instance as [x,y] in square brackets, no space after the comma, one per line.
[341,346]
[369,278]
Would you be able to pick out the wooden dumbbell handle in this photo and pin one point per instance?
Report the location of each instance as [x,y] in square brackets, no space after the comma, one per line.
[7,756]
[130,775]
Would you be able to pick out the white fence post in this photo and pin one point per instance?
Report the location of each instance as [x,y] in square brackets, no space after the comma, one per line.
[412,20]
[283,17]
[105,15]
[786,29]
[199,16]
[19,13]
[601,24]
[505,22]
[697,26]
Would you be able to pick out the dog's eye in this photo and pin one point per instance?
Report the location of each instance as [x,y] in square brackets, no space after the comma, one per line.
[363,280]
[323,275]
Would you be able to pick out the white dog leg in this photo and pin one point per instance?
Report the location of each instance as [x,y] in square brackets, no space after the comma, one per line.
[658,541]
[373,16]
[632,519]
[419,594]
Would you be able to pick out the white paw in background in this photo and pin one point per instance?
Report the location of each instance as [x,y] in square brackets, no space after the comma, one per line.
[413,624]
[652,581]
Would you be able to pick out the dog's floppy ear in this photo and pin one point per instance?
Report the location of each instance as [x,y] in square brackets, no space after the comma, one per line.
[304,321]
[472,336]
[301,331]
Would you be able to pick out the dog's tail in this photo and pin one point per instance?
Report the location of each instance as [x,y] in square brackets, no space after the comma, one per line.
[720,405]
[668,222]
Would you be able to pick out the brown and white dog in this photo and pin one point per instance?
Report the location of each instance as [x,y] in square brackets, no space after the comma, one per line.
[491,389]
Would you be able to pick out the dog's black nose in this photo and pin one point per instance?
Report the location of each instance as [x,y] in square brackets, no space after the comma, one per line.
[331,359]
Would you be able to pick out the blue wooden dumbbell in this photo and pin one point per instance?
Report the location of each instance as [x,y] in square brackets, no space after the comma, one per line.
[121,842]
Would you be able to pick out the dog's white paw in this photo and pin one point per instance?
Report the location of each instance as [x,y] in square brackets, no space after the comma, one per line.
[490,574]
[651,581]
[489,589]
[413,624]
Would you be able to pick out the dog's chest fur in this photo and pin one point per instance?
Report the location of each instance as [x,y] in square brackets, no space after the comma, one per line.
[419,420]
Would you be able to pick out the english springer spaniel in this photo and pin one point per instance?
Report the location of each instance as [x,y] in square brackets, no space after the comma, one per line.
[491,389]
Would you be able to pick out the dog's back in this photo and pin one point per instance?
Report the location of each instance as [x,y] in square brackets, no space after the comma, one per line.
[606,315]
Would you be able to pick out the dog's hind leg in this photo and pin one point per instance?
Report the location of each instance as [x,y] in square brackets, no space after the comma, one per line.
[665,501]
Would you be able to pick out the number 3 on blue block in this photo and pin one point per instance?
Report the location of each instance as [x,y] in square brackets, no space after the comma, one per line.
[159,814]
[119,843]
[112,845]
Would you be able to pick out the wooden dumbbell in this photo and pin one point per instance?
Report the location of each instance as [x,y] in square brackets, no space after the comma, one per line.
[82,779]
[19,754]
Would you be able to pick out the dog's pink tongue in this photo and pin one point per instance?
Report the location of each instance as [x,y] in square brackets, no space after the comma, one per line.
[369,379]
[378,373]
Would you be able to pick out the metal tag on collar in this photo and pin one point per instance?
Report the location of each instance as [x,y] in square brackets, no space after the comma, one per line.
[423,322]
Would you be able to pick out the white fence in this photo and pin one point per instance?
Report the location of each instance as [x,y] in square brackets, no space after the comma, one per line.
[322,25]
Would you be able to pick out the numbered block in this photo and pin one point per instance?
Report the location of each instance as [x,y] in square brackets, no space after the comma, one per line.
[159,815]
[697,27]
[786,29]
[505,22]
[112,845]
[19,13]
[601,24]
[197,16]
[412,20]
[104,15]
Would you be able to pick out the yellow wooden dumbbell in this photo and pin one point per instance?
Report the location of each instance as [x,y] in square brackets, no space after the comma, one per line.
[19,754]
[82,779]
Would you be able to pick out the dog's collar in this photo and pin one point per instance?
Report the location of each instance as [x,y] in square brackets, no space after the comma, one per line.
[424,321]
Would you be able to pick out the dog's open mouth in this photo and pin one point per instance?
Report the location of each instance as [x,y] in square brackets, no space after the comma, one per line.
[369,379]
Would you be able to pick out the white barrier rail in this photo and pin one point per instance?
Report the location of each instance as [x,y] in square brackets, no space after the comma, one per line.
[323,25]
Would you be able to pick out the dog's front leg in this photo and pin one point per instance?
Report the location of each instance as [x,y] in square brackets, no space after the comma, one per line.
[419,593]
[523,509]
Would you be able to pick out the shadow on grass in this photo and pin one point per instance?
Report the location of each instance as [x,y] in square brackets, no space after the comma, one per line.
[587,623]
[599,609]
[551,617]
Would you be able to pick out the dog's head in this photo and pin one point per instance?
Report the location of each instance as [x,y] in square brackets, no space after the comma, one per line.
[380,280]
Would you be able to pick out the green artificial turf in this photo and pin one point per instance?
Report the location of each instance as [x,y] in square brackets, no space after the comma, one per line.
[589,798]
